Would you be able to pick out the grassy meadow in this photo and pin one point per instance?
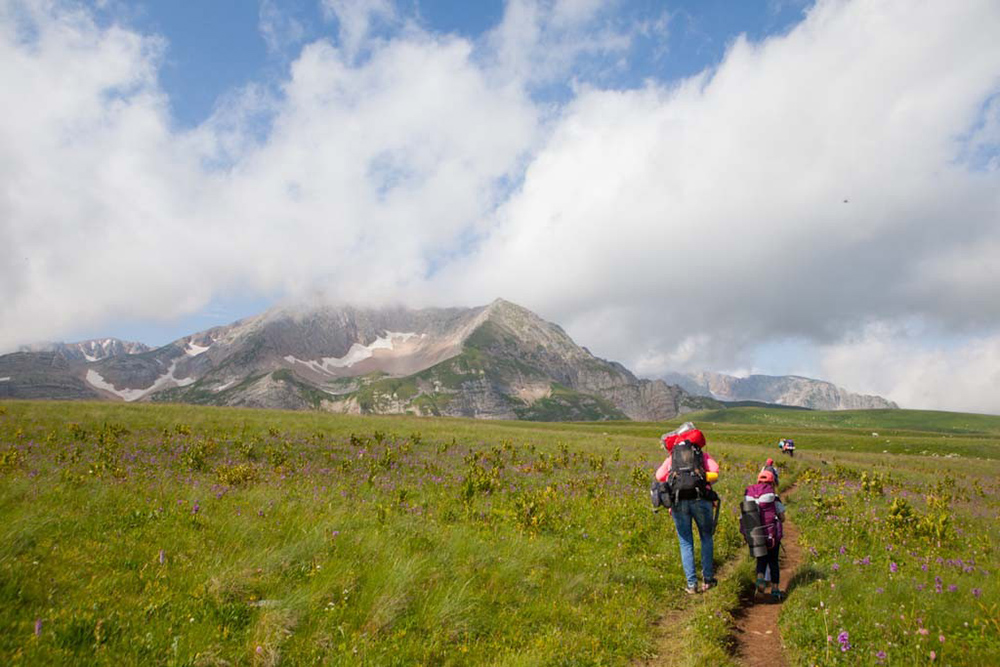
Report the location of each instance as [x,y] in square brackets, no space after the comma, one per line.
[180,535]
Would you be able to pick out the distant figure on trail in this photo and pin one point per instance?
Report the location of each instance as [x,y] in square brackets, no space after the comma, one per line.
[689,473]
[769,466]
[787,446]
[761,525]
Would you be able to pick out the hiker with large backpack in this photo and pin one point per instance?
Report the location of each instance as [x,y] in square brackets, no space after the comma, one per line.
[762,515]
[687,474]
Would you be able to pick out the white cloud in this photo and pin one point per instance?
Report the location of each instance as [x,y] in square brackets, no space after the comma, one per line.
[280,30]
[915,374]
[356,18]
[676,225]
[713,210]
[365,174]
[539,42]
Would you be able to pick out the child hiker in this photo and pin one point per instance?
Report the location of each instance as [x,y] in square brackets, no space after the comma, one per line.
[765,540]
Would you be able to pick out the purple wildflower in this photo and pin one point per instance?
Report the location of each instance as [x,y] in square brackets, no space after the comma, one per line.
[842,550]
[933,655]
[38,627]
[976,592]
[842,639]
[893,568]
[162,557]
[952,588]
[835,567]
[880,590]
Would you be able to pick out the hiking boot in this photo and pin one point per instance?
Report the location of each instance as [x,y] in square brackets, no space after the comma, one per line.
[777,595]
[690,590]
[710,583]
[761,585]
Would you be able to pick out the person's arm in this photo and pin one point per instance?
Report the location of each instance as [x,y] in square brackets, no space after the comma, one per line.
[780,509]
[663,470]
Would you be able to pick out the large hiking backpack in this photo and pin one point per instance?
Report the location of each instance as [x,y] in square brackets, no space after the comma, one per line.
[766,530]
[687,471]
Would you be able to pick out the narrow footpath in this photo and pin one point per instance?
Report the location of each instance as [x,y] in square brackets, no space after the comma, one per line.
[758,640]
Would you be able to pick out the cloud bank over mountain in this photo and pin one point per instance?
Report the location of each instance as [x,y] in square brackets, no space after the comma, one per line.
[836,185]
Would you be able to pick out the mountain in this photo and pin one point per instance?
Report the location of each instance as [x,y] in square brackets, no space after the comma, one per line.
[782,390]
[499,361]
[88,350]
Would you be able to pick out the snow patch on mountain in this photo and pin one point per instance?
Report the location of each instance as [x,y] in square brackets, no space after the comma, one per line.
[166,380]
[193,350]
[6,379]
[356,354]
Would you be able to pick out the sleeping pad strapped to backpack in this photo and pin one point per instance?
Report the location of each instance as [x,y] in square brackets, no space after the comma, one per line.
[759,519]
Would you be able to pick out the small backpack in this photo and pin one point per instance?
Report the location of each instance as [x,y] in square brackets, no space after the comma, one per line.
[687,471]
[659,493]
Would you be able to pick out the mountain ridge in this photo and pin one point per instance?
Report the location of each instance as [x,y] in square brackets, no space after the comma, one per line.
[498,361]
[790,390]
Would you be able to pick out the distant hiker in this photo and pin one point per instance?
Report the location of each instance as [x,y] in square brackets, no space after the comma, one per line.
[769,466]
[689,472]
[789,447]
[761,524]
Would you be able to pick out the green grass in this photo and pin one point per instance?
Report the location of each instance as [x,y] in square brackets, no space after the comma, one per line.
[304,537]
[882,421]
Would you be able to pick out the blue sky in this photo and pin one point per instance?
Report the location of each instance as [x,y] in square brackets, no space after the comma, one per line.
[616,167]
[216,46]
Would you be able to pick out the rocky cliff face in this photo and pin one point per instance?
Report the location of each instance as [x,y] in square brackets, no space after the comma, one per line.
[88,350]
[33,375]
[499,361]
[782,390]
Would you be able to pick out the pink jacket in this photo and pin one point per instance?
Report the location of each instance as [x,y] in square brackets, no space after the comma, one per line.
[664,469]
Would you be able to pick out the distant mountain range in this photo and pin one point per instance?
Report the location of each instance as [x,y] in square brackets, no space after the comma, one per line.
[499,361]
[88,350]
[791,390]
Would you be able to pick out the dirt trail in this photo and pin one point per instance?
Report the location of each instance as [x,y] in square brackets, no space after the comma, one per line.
[758,641]
[757,636]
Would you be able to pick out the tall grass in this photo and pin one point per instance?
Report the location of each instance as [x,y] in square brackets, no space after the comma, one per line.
[158,534]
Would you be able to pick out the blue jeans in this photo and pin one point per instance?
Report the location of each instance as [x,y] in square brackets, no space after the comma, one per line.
[683,512]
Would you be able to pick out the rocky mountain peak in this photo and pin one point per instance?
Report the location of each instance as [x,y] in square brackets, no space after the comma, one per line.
[791,390]
[499,361]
